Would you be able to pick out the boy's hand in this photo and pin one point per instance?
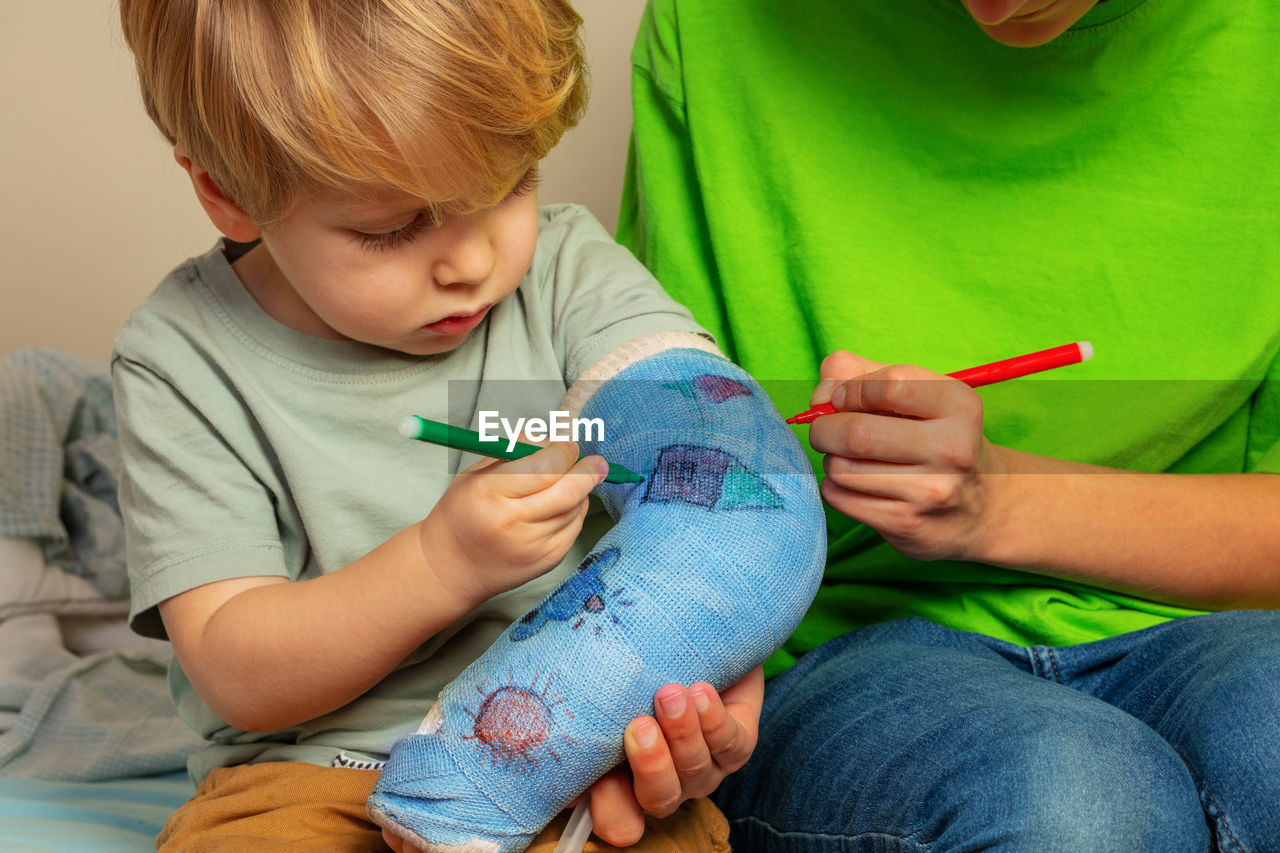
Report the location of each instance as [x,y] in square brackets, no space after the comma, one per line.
[500,524]
[905,454]
[695,739]
[693,750]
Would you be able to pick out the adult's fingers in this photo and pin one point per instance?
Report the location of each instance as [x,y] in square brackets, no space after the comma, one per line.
[837,367]
[863,435]
[905,390]
[843,364]
[871,477]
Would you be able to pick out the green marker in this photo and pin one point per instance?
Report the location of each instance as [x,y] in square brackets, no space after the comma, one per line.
[448,435]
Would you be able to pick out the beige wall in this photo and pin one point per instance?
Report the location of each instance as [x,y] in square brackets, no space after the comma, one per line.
[94,210]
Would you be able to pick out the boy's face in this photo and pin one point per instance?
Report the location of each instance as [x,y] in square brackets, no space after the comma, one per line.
[1027,23]
[378,271]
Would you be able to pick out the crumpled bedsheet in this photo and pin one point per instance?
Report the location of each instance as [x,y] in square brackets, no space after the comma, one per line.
[68,717]
[65,714]
[60,464]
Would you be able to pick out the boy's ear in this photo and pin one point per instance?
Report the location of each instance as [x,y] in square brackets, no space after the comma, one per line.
[227,216]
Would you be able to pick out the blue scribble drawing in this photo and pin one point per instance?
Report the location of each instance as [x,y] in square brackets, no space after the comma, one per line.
[707,477]
[583,593]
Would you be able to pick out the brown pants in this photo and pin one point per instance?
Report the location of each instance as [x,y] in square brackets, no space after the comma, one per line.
[288,806]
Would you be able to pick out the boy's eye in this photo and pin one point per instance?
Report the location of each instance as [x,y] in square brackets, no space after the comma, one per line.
[427,219]
[528,183]
[387,240]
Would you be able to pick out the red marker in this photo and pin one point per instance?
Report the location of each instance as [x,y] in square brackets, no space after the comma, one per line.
[999,371]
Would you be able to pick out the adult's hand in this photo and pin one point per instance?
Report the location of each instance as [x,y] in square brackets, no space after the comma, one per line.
[905,454]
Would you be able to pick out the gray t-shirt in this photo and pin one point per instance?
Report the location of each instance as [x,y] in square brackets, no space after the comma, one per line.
[253,449]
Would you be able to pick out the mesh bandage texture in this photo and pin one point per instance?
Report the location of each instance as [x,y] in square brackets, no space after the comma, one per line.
[712,562]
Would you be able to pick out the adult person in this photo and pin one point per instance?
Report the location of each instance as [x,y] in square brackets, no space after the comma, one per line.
[1013,648]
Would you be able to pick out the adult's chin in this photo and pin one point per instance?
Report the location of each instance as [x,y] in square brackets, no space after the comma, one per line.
[1038,28]
[1034,34]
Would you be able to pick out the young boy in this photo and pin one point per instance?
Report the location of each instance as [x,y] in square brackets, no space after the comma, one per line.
[373,168]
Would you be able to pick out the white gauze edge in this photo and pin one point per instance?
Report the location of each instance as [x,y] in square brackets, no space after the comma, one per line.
[620,358]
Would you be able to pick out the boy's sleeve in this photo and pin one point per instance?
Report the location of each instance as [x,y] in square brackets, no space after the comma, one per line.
[193,511]
[597,296]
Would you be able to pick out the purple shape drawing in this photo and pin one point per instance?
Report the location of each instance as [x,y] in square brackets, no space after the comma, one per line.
[707,477]
[720,388]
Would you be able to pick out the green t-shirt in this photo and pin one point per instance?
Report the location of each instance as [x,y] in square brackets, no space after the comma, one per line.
[250,448]
[885,178]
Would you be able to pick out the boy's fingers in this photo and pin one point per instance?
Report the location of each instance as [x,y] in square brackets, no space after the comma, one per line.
[729,743]
[617,817]
[398,844]
[536,472]
[559,532]
[477,467]
[658,788]
[568,494]
[677,711]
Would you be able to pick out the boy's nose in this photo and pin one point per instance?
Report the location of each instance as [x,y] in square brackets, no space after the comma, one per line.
[469,259]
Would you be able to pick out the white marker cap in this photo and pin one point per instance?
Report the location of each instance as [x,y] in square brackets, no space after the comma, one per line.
[411,426]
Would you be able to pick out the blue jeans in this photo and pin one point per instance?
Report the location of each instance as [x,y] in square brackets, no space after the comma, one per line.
[907,736]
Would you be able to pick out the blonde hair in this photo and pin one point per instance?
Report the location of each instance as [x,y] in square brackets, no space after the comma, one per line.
[450,101]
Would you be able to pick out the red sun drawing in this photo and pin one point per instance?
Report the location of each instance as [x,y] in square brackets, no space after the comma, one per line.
[518,725]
